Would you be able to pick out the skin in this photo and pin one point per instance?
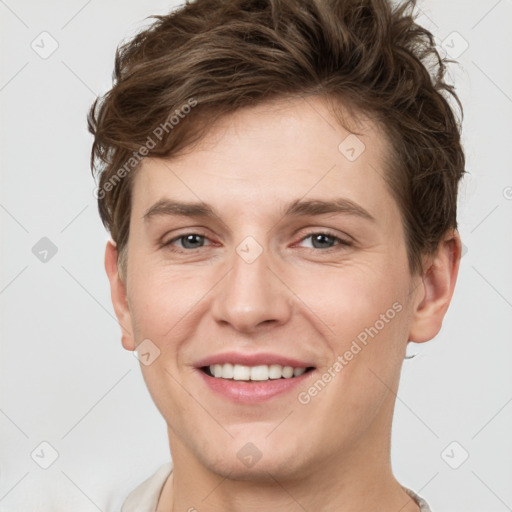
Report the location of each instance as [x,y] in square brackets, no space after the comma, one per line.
[299,298]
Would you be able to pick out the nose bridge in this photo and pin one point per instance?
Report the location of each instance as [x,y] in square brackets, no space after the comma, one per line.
[251,294]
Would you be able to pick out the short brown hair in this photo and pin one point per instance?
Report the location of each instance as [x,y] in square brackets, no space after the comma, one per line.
[213,57]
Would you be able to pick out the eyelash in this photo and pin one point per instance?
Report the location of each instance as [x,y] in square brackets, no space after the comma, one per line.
[340,241]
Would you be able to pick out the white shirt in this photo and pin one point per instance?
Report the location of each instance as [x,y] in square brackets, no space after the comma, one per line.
[144,498]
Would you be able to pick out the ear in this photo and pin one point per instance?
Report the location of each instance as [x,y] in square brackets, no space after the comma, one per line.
[118,295]
[436,289]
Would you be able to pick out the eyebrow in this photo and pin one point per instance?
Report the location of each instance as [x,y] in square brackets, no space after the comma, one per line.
[297,208]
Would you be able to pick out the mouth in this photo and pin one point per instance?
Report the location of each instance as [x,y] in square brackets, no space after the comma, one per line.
[258,373]
[245,378]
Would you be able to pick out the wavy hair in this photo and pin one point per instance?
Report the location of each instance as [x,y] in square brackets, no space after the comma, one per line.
[371,55]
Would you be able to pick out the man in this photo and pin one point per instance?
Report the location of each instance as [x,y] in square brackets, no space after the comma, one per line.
[280,181]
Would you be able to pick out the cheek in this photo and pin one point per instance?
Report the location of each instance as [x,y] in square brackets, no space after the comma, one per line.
[348,300]
[367,312]
[161,300]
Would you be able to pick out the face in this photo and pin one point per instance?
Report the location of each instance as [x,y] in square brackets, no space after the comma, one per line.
[297,259]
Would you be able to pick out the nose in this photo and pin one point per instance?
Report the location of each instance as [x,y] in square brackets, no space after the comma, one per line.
[252,295]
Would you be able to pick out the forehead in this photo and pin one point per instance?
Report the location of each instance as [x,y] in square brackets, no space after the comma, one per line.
[259,158]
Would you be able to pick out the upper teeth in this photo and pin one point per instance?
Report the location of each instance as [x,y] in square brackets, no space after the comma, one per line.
[261,372]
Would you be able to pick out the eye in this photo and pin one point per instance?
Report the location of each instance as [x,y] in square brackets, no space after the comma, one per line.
[324,240]
[188,241]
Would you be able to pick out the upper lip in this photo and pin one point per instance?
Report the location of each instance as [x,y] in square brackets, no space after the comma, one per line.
[252,360]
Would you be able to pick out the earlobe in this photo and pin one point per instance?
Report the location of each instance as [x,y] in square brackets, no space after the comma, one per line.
[118,296]
[436,290]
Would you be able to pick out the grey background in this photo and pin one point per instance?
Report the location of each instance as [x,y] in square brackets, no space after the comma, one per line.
[65,378]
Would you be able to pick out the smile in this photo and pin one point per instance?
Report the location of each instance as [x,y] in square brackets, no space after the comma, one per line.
[262,372]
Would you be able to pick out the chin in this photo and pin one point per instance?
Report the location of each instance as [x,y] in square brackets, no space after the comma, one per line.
[268,470]
[258,460]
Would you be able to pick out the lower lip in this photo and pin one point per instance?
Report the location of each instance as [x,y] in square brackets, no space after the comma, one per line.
[252,392]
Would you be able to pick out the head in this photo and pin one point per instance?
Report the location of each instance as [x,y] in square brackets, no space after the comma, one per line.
[289,125]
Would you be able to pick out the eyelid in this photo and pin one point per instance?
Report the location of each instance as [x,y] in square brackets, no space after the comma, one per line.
[312,229]
[348,241]
[179,236]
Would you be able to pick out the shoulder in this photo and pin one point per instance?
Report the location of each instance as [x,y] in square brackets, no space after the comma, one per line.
[144,498]
[424,507]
